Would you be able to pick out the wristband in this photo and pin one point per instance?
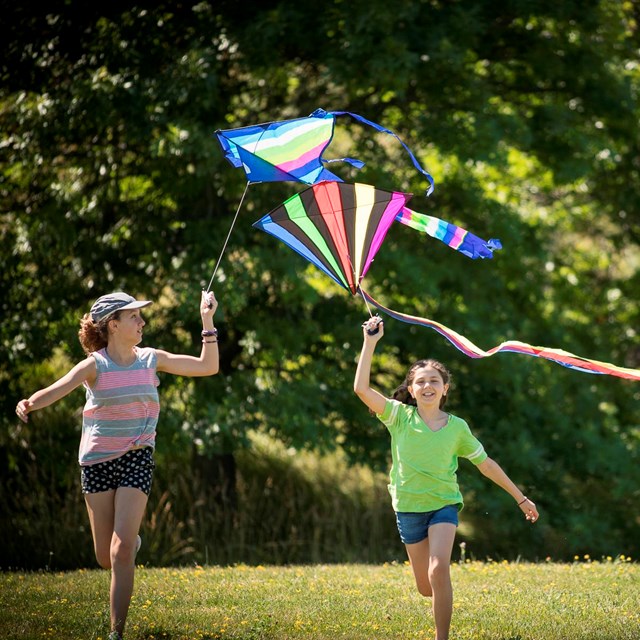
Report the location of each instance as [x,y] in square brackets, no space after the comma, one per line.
[207,333]
[521,503]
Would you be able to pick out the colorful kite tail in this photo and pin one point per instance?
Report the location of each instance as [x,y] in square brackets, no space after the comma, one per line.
[452,235]
[467,347]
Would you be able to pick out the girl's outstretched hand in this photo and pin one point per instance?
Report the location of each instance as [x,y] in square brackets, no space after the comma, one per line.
[528,507]
[22,410]
[208,304]
[373,329]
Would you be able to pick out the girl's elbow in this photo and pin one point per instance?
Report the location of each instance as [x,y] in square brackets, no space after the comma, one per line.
[204,372]
[211,365]
[486,466]
[364,396]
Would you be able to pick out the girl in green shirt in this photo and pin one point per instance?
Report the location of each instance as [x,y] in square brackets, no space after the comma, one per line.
[426,443]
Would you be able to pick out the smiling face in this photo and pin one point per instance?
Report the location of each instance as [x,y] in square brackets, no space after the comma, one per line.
[428,385]
[127,327]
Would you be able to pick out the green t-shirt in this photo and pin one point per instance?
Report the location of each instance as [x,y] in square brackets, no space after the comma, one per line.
[424,462]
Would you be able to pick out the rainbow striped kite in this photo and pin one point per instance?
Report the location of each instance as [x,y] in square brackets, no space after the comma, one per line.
[291,150]
[339,227]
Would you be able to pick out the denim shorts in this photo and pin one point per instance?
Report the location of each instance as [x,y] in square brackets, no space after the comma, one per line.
[414,527]
[133,469]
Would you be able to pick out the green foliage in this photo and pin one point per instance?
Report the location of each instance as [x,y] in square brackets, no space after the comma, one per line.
[526,115]
[280,505]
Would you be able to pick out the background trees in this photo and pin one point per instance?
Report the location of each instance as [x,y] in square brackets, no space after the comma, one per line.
[525,114]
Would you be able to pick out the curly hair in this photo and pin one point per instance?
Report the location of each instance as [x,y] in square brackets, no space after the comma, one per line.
[402,392]
[94,336]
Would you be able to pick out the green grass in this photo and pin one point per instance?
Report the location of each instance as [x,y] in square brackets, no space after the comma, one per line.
[499,601]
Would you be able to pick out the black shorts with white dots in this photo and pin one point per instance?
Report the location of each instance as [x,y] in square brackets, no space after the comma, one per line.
[133,469]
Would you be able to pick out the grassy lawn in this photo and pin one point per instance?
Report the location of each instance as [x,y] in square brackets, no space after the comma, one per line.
[499,601]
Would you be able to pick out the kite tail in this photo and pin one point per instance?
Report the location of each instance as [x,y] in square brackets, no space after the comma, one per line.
[452,235]
[467,347]
[320,113]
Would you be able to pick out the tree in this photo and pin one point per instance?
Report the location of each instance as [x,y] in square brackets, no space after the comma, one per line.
[525,114]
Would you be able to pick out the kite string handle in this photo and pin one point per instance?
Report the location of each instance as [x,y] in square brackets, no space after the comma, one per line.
[224,246]
[371,332]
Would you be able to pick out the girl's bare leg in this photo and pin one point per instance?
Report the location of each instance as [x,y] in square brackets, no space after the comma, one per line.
[123,518]
[419,559]
[432,558]
[100,507]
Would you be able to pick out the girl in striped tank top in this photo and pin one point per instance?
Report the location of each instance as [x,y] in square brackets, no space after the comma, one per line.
[119,426]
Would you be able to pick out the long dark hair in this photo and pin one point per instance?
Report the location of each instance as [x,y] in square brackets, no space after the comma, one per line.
[94,336]
[402,392]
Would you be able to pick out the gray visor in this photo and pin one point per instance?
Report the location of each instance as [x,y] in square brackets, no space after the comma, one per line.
[106,305]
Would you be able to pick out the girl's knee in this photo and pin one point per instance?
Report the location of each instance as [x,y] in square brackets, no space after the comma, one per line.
[422,584]
[122,552]
[104,558]
[439,571]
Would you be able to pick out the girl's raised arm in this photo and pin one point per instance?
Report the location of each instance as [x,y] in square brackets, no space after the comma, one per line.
[209,361]
[361,385]
[84,371]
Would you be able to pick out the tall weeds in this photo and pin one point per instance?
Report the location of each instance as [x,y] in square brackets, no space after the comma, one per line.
[291,507]
[285,507]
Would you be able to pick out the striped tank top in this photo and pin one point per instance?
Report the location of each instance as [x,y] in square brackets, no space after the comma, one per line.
[122,407]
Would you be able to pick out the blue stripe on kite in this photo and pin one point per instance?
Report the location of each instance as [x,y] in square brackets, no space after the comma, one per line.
[311,173]
[449,234]
[267,224]
[441,231]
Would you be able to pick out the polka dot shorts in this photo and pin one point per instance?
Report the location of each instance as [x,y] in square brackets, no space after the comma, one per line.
[133,469]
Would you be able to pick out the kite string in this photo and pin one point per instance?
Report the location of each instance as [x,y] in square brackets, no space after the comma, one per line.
[365,301]
[224,246]
[358,288]
[233,222]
